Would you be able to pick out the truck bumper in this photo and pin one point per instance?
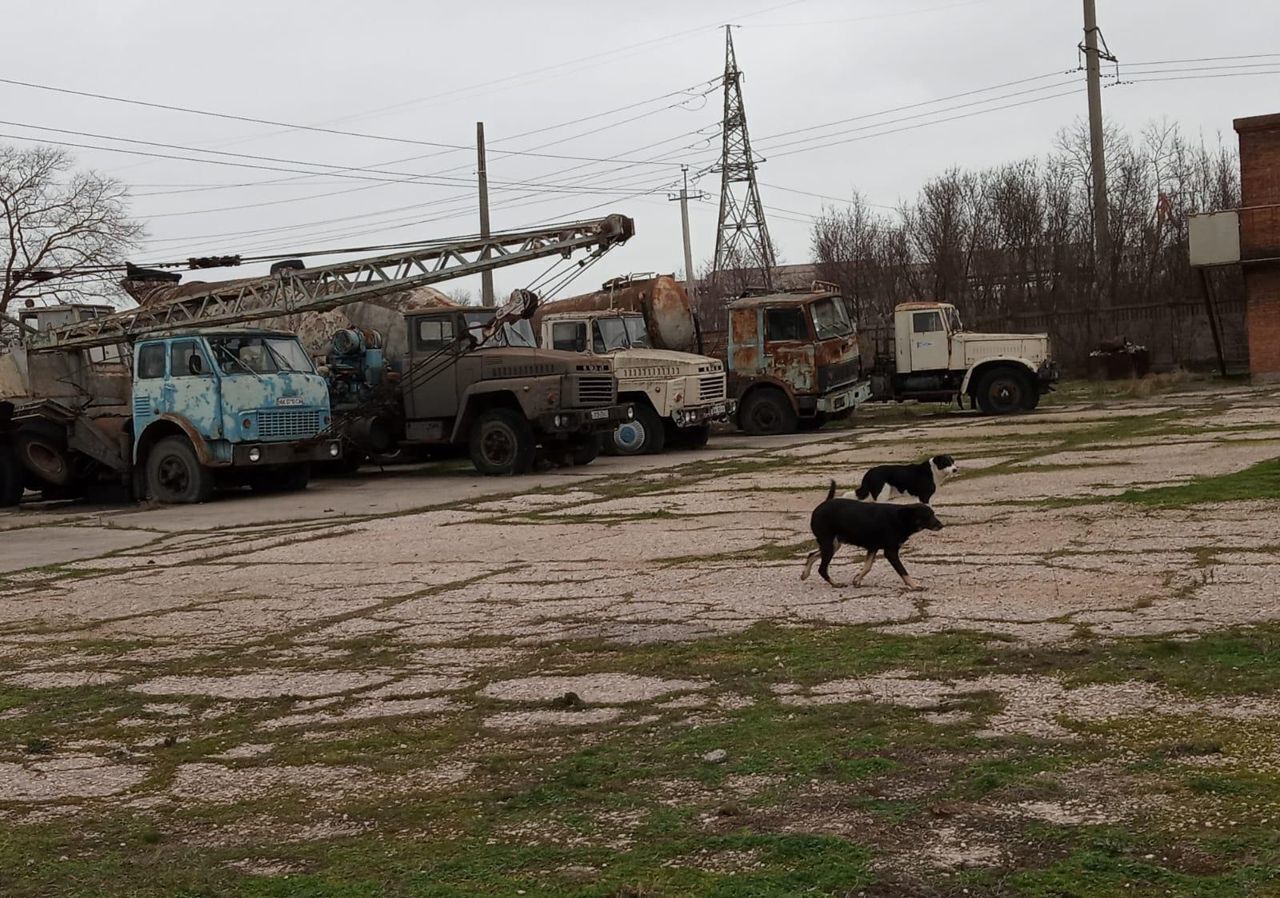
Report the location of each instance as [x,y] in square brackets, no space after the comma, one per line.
[845,399]
[261,455]
[705,414]
[1047,375]
[585,420]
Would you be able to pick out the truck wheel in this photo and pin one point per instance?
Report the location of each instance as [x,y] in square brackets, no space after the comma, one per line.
[1003,391]
[10,478]
[1033,400]
[767,412]
[696,437]
[502,443]
[41,447]
[587,451]
[642,435]
[175,475]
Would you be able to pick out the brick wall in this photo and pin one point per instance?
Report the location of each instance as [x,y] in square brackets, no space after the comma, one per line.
[1260,240]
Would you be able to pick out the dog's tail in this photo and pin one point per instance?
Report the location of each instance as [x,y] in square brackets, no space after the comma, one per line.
[831,493]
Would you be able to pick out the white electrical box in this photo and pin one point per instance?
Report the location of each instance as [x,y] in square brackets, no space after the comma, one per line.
[1214,238]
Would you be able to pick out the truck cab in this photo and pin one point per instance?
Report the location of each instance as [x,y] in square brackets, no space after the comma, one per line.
[676,395]
[171,418]
[933,358]
[793,361]
[246,403]
[470,381]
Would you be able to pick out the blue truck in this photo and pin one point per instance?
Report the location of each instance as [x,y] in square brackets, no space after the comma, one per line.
[188,411]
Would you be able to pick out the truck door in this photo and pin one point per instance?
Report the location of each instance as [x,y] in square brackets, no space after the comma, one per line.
[148,384]
[789,347]
[929,345]
[191,390]
[431,382]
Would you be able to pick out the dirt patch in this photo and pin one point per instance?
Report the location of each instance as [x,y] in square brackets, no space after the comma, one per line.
[593,689]
[265,685]
[71,776]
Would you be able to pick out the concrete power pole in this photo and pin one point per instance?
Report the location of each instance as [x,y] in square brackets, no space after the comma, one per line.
[1101,223]
[486,277]
[684,197]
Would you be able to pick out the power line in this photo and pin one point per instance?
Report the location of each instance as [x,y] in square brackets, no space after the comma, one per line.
[290,125]
[940,121]
[825,196]
[934,102]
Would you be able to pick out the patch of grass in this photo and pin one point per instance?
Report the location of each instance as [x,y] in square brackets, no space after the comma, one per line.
[1260,481]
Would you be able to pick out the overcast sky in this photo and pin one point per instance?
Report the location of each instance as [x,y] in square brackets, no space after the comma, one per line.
[428,71]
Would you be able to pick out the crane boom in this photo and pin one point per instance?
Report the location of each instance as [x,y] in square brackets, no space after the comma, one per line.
[328,287]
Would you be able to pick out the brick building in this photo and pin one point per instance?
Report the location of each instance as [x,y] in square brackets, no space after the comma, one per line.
[1260,240]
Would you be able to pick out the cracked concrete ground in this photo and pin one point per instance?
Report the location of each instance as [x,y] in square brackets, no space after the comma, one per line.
[396,596]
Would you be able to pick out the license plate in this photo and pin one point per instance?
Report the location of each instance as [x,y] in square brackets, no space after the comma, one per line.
[290,400]
[599,414]
[717,410]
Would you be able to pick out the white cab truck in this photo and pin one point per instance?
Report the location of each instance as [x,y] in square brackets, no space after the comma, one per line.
[676,395]
[932,358]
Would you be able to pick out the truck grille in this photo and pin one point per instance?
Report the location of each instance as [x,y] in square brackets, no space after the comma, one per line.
[595,390]
[292,424]
[834,375]
[711,388]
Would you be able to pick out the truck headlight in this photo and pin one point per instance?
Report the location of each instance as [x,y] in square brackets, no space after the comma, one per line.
[334,450]
[559,421]
[255,454]
[631,412]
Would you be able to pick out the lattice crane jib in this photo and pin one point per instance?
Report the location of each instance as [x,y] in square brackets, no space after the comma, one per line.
[742,237]
[325,287]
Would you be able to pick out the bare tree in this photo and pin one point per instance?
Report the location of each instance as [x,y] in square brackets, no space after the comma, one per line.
[460,295]
[56,221]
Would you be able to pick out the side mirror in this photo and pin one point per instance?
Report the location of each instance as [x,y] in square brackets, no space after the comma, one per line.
[195,364]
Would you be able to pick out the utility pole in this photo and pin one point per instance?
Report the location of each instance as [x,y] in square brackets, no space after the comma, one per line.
[684,197]
[1101,223]
[742,235]
[486,278]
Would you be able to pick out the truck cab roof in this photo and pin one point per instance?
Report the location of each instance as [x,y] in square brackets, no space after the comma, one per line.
[920,306]
[779,299]
[217,332]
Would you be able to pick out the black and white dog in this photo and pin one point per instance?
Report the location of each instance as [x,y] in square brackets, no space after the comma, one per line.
[920,481]
[871,527]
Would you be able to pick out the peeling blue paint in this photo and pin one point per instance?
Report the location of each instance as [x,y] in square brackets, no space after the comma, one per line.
[224,404]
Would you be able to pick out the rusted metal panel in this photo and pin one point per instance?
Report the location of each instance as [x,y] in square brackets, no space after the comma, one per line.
[745,347]
[792,361]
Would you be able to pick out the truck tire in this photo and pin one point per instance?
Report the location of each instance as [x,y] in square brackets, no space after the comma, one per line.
[645,434]
[41,447]
[1033,400]
[696,437]
[767,412]
[502,443]
[10,478]
[587,451]
[815,423]
[1003,391]
[175,475]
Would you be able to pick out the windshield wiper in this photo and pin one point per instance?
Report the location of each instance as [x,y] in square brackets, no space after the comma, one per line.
[237,360]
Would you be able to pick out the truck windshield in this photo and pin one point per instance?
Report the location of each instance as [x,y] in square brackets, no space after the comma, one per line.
[636,333]
[610,335]
[259,355]
[517,333]
[830,318]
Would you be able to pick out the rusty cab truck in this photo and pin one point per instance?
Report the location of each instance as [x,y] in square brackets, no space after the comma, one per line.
[475,379]
[676,395]
[793,361]
[932,358]
[184,411]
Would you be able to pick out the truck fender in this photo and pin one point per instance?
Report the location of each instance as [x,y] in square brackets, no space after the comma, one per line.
[996,360]
[761,381]
[149,436]
[473,400]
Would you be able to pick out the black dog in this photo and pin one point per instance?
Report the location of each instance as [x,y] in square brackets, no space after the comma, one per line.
[875,528]
[919,481]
